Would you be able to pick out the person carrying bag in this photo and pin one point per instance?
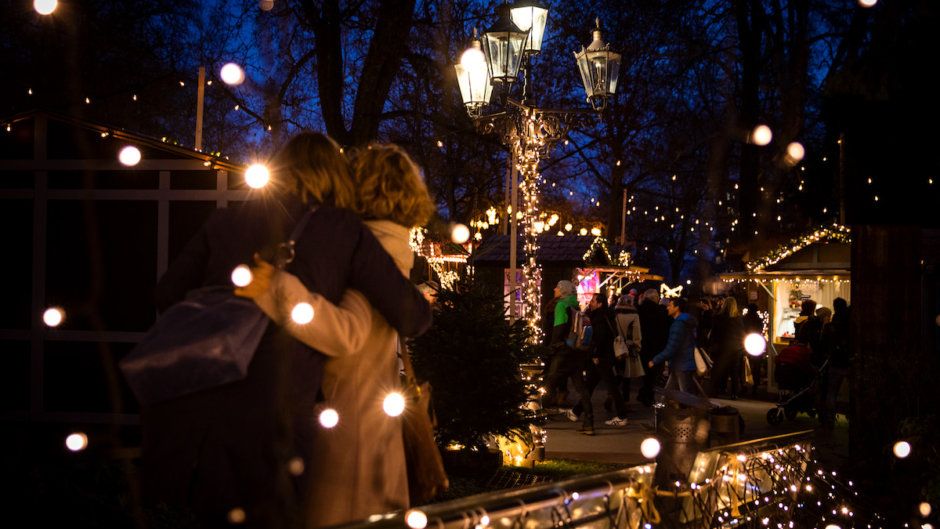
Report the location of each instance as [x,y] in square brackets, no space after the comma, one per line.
[203,341]
[426,475]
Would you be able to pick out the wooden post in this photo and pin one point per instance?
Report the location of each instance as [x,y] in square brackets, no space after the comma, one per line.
[623,219]
[200,101]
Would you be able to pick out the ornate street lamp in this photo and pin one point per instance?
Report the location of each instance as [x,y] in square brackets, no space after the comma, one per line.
[503,44]
[527,130]
[599,68]
[531,16]
[473,77]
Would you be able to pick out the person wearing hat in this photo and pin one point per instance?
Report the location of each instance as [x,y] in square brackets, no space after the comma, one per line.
[567,362]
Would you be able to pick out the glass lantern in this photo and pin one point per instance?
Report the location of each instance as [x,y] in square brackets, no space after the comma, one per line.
[600,68]
[530,16]
[503,45]
[473,77]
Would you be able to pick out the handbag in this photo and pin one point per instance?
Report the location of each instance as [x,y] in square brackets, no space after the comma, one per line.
[620,346]
[634,367]
[703,362]
[202,342]
[426,475]
[748,374]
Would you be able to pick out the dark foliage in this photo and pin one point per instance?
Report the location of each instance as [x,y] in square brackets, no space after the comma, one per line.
[471,356]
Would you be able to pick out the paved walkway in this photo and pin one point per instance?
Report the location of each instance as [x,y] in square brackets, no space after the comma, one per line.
[622,444]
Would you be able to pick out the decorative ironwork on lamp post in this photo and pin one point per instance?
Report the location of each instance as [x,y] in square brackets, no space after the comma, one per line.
[495,60]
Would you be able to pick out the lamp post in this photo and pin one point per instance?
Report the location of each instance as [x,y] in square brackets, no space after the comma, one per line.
[526,129]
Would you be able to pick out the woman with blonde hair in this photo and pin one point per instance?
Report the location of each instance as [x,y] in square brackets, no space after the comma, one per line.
[726,344]
[230,453]
[359,464]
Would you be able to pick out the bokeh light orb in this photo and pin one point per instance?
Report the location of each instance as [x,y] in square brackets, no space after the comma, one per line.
[257,176]
[76,442]
[129,156]
[902,449]
[761,135]
[232,74]
[266,5]
[416,519]
[755,344]
[795,151]
[924,509]
[394,404]
[302,313]
[459,233]
[53,316]
[241,276]
[236,516]
[45,7]
[329,418]
[650,447]
[867,3]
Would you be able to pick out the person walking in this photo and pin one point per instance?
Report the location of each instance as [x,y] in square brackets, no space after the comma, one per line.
[654,321]
[754,324]
[680,349]
[726,344]
[628,325]
[232,453]
[602,357]
[836,338]
[567,361]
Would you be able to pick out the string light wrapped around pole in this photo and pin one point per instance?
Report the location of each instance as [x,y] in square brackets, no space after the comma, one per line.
[527,130]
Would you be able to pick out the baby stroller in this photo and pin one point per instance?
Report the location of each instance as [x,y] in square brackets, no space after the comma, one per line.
[799,382]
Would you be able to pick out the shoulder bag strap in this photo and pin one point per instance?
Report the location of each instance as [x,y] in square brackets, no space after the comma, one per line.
[286,250]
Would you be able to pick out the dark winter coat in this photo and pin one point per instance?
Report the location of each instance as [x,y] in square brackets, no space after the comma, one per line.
[680,348]
[654,321]
[602,334]
[230,446]
[727,336]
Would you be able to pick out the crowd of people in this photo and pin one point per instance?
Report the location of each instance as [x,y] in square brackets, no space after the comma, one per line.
[665,333]
[252,451]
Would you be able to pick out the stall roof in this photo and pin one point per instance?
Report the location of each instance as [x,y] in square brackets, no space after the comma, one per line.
[823,253]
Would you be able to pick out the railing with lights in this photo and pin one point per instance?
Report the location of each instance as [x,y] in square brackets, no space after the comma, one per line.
[622,498]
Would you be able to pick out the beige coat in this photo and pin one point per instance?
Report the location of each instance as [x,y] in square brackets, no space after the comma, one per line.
[359,465]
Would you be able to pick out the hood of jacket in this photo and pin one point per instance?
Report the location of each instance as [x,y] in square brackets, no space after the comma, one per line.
[395,238]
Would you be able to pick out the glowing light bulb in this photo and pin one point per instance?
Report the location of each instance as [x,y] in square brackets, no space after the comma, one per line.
[53,316]
[76,442]
[568,227]
[302,313]
[416,519]
[650,447]
[328,418]
[596,232]
[129,156]
[236,516]
[473,58]
[45,7]
[902,449]
[232,74]
[755,344]
[394,404]
[924,509]
[459,233]
[867,3]
[795,151]
[833,526]
[241,276]
[257,176]
[761,135]
[583,231]
[266,5]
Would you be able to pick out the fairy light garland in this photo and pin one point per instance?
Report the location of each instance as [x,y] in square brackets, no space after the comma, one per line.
[836,233]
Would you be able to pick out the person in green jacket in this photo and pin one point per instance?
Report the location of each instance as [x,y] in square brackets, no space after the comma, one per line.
[566,361]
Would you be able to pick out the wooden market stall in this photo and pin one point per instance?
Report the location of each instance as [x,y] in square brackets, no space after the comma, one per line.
[816,266]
